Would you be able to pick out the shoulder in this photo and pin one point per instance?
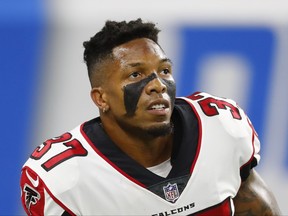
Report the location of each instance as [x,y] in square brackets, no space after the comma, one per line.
[225,121]
[57,157]
[222,112]
[49,172]
[212,105]
[216,109]
[59,168]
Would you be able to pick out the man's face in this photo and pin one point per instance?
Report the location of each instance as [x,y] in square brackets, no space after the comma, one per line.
[140,89]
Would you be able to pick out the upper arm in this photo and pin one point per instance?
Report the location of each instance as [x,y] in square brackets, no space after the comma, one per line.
[254,198]
[34,196]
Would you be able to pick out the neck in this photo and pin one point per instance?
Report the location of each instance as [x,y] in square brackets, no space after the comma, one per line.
[146,150]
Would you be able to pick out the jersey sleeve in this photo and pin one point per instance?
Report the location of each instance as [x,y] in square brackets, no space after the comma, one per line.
[255,157]
[247,143]
[35,197]
[230,121]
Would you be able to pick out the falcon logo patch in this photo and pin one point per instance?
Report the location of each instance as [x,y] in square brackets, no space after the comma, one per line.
[31,196]
[171,192]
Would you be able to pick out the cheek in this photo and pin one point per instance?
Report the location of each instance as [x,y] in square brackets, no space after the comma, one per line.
[132,94]
[114,98]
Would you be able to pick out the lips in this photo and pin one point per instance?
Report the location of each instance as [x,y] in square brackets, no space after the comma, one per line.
[159,104]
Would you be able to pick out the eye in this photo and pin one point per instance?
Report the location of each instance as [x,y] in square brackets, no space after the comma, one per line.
[135,75]
[165,71]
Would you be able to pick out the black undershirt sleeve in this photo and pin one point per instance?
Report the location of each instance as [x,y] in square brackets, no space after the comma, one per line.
[245,170]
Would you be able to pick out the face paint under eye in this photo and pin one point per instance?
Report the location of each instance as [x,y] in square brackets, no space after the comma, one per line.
[171,89]
[132,94]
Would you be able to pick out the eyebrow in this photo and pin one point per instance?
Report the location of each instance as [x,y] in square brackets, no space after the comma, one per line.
[137,64]
[166,60]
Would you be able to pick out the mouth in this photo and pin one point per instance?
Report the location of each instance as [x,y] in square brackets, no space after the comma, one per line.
[159,107]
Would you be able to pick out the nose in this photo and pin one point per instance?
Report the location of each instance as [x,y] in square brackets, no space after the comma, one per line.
[156,85]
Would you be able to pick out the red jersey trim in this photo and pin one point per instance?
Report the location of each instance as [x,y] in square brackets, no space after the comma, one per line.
[252,142]
[107,160]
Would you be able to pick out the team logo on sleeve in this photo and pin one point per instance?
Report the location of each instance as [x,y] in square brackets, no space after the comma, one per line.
[31,196]
[32,192]
[171,192]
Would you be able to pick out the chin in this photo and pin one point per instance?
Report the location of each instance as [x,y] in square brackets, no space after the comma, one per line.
[160,130]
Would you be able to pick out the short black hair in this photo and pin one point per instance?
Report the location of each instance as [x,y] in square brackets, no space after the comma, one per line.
[114,34]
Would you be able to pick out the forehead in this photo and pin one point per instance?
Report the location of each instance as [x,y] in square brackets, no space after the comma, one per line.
[138,50]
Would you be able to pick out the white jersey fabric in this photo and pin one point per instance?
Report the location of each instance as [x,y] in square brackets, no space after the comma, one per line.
[162,169]
[77,174]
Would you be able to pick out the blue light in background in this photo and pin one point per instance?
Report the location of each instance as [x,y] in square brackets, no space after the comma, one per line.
[255,44]
[22,28]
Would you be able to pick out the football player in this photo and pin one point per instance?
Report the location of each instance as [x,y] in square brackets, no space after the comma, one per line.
[148,153]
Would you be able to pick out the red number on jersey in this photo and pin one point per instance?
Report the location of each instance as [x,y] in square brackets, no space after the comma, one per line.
[210,110]
[211,105]
[44,148]
[74,148]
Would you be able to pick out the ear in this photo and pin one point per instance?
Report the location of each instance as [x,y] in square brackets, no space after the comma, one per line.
[99,97]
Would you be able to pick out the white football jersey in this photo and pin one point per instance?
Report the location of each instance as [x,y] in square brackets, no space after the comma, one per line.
[82,172]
